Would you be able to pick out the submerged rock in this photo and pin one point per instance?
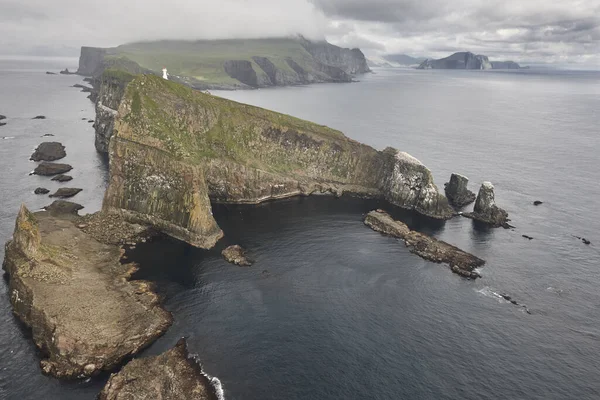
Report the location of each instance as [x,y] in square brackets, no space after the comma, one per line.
[173,375]
[527,237]
[236,255]
[66,192]
[49,151]
[41,191]
[62,178]
[74,294]
[457,192]
[461,262]
[39,117]
[486,210]
[49,169]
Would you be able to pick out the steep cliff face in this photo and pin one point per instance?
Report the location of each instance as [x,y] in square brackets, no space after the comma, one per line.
[231,64]
[175,149]
[351,61]
[111,88]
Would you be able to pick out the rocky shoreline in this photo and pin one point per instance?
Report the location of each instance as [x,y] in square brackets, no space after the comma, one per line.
[71,289]
[460,262]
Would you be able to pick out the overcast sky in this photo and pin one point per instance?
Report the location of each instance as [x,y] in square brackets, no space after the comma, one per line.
[521,30]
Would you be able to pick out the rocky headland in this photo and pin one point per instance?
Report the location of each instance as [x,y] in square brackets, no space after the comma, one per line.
[461,262]
[486,210]
[174,150]
[71,289]
[467,60]
[173,375]
[231,64]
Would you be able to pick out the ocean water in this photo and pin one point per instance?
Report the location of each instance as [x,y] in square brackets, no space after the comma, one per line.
[333,310]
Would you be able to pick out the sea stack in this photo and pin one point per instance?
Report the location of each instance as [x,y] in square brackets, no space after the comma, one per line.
[485,209]
[457,192]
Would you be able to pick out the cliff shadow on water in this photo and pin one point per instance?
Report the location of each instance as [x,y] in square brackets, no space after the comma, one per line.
[176,266]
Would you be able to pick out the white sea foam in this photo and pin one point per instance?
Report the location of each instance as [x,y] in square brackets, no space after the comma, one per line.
[214,381]
[488,292]
[7,137]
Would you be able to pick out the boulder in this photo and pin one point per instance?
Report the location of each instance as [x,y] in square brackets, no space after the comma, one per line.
[75,295]
[41,191]
[49,169]
[173,375]
[485,209]
[64,193]
[62,178]
[49,151]
[457,192]
[236,255]
[39,117]
[63,207]
[460,262]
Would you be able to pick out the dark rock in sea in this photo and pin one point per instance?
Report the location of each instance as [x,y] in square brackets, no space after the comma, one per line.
[457,192]
[514,302]
[63,207]
[584,240]
[62,178]
[47,135]
[527,237]
[173,375]
[485,209]
[66,72]
[506,297]
[50,73]
[90,121]
[2,123]
[41,191]
[49,151]
[65,193]
[39,117]
[85,89]
[236,255]
[49,169]
[73,292]
[2,117]
[537,203]
[461,262]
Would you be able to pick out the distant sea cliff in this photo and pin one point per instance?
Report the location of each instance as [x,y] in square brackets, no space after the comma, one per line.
[231,64]
[467,60]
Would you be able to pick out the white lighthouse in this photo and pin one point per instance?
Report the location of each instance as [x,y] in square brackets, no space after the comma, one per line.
[165,73]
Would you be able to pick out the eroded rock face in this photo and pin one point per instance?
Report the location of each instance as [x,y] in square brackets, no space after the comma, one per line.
[457,191]
[461,262]
[173,375]
[49,169]
[74,294]
[168,162]
[236,255]
[486,210]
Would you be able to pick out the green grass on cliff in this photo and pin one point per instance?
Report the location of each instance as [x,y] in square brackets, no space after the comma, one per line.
[203,60]
[195,126]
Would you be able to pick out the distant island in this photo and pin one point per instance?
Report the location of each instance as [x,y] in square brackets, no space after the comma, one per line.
[467,60]
[395,60]
[231,64]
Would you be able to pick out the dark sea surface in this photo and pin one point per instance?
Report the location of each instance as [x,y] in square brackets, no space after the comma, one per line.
[333,310]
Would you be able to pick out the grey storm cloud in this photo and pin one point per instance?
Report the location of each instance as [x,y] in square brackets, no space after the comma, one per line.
[564,30]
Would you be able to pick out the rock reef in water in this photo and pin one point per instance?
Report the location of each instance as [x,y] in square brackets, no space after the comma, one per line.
[62,178]
[49,169]
[457,192]
[173,375]
[175,150]
[66,192]
[41,190]
[486,210]
[49,151]
[236,255]
[74,294]
[461,262]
